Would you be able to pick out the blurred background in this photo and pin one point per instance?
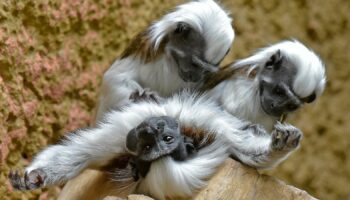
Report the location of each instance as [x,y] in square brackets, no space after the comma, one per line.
[54,52]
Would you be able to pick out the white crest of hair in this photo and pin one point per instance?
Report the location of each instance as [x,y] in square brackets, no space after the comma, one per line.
[205,16]
[168,178]
[309,66]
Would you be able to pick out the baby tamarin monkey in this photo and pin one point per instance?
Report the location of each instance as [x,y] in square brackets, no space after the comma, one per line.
[218,133]
[154,138]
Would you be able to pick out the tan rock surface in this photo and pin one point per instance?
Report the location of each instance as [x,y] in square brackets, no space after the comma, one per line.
[236,181]
[138,197]
[130,197]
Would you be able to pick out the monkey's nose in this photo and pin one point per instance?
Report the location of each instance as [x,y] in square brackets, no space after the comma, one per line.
[160,125]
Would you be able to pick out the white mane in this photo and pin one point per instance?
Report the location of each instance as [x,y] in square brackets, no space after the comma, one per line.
[310,77]
[207,17]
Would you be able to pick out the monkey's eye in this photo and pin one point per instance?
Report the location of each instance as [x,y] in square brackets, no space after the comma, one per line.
[278,91]
[168,138]
[195,65]
[309,99]
[269,65]
[148,147]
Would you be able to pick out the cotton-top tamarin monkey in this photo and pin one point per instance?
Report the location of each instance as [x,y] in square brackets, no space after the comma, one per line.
[218,133]
[154,138]
[172,54]
[275,81]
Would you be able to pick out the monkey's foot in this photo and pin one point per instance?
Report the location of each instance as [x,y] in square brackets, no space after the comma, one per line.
[30,181]
[145,95]
[285,137]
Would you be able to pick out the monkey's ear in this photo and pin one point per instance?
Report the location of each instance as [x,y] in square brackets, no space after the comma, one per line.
[309,99]
[132,140]
[274,61]
[182,28]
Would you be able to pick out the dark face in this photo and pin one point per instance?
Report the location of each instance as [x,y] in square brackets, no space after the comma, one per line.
[187,46]
[276,80]
[154,138]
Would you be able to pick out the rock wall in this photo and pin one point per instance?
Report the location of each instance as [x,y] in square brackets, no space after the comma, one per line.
[53,53]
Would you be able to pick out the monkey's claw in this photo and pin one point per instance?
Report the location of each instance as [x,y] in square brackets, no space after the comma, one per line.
[145,95]
[285,137]
[30,181]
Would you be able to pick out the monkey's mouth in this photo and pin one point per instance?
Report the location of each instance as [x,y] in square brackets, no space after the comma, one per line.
[268,110]
[156,155]
[190,77]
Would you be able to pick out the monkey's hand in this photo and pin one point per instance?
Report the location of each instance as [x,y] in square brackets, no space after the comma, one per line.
[190,148]
[262,150]
[28,181]
[285,137]
[85,148]
[207,67]
[145,95]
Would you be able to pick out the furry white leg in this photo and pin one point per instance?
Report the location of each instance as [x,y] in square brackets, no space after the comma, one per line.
[264,151]
[253,146]
[89,148]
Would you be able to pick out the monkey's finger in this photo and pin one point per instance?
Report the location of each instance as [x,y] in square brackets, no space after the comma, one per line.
[16,180]
[206,66]
[177,53]
[283,118]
